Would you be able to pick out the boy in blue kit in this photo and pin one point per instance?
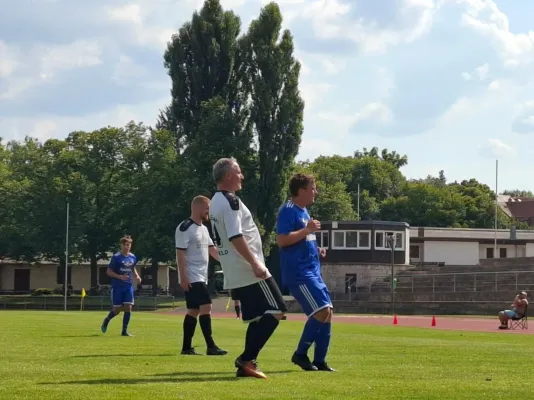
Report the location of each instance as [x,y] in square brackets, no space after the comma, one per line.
[121,270]
[301,271]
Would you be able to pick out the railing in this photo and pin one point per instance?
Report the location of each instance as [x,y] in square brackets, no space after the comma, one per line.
[27,302]
[458,282]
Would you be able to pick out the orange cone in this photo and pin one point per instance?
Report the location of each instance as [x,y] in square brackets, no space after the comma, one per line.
[395,321]
[433,320]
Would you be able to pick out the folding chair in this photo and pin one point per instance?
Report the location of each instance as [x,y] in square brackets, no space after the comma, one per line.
[520,322]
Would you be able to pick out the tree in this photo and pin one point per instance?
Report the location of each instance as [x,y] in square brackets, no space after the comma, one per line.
[272,75]
[392,158]
[200,61]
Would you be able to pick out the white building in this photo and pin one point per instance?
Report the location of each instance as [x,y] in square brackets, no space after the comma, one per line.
[459,246]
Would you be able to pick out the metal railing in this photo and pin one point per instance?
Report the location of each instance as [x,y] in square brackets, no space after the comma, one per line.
[458,282]
[28,302]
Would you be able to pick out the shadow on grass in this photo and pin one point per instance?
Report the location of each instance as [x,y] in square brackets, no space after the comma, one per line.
[72,336]
[121,355]
[160,378]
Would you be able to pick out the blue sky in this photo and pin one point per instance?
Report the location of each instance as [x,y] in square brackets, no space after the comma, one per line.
[447,82]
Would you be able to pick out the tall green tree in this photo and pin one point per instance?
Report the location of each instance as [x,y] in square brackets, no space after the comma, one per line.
[272,77]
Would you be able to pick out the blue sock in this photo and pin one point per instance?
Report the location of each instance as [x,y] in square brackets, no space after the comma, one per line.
[322,342]
[125,321]
[110,316]
[309,334]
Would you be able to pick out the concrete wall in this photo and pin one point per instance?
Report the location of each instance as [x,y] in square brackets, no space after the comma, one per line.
[451,253]
[512,251]
[45,276]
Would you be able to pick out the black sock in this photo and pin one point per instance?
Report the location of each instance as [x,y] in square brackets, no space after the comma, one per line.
[205,325]
[237,311]
[258,333]
[190,323]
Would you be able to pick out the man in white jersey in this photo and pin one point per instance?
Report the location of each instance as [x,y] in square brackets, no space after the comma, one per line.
[241,255]
[193,248]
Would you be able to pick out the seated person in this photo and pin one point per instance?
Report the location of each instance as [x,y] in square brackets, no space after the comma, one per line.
[517,311]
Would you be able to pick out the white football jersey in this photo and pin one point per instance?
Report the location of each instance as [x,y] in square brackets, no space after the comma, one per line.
[195,240]
[230,219]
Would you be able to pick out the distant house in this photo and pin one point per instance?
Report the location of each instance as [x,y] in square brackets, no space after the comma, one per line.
[517,208]
[16,276]
[459,246]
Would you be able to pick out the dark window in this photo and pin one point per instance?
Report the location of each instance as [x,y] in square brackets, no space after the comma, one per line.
[502,253]
[350,283]
[60,275]
[414,251]
[489,252]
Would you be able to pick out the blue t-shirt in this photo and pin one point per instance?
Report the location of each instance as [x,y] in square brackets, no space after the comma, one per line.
[299,262]
[122,265]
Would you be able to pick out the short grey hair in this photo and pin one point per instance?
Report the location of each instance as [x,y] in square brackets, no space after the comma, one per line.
[222,167]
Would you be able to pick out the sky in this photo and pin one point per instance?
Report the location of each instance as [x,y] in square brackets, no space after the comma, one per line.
[448,83]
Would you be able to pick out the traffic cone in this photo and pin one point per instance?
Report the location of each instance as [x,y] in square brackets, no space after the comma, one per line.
[433,320]
[395,321]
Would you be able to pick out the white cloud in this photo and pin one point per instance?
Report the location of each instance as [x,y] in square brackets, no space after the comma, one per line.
[466,76]
[482,71]
[8,60]
[498,148]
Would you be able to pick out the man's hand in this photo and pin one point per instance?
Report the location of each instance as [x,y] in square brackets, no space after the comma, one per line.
[138,278]
[313,225]
[322,252]
[260,270]
[184,284]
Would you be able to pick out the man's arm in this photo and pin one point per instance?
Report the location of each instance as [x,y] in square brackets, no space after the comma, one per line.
[182,242]
[110,271]
[180,262]
[214,253]
[286,235]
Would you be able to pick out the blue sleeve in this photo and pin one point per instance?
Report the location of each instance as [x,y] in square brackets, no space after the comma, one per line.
[285,223]
[113,264]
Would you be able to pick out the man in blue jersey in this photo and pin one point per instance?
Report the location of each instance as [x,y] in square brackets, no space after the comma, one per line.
[301,271]
[121,270]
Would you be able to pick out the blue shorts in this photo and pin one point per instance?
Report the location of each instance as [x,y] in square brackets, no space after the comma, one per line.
[312,295]
[511,314]
[122,295]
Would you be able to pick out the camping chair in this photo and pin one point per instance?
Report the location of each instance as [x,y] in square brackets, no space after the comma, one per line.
[519,322]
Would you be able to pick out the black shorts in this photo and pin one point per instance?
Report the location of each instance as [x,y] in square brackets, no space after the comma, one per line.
[197,296]
[263,297]
[233,295]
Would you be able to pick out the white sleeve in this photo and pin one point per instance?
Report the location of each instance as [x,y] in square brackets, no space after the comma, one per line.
[182,239]
[232,222]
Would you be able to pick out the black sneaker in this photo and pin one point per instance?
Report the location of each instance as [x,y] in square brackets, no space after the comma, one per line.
[248,369]
[190,352]
[303,362]
[215,351]
[323,367]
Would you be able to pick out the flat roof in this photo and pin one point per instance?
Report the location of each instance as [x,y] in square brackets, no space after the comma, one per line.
[468,233]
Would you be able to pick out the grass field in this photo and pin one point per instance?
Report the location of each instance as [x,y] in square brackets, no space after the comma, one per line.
[58,355]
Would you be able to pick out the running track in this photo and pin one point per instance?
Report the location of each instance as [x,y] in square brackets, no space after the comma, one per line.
[442,322]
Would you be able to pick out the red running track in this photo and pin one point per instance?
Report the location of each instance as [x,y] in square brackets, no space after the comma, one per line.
[442,322]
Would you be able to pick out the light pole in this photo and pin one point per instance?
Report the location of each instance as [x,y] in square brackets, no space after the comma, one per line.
[391,240]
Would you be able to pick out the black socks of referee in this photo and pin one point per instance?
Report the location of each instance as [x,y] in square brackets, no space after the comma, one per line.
[190,324]
[258,334]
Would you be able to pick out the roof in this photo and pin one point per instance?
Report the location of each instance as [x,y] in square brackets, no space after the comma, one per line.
[520,208]
[467,233]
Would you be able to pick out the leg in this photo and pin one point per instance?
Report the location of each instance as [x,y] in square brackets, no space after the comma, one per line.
[128,302]
[315,301]
[263,307]
[116,301]
[190,322]
[504,316]
[199,290]
[237,308]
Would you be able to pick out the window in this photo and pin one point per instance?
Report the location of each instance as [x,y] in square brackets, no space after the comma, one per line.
[414,252]
[489,252]
[502,253]
[322,239]
[60,279]
[351,240]
[350,283]
[103,278]
[382,243]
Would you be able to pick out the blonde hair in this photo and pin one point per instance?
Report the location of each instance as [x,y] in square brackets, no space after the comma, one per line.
[126,239]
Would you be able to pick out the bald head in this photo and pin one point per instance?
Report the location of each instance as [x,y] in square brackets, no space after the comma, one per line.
[200,207]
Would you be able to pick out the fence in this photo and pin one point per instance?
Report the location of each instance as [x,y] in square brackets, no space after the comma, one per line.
[460,282]
[26,302]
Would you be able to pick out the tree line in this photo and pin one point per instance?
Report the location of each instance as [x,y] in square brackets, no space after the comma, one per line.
[232,94]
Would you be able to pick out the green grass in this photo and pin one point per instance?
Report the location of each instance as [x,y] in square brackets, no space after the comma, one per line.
[57,355]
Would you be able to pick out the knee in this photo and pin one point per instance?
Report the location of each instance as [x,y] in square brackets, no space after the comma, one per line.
[204,309]
[323,315]
[280,316]
[193,313]
[117,310]
[128,308]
